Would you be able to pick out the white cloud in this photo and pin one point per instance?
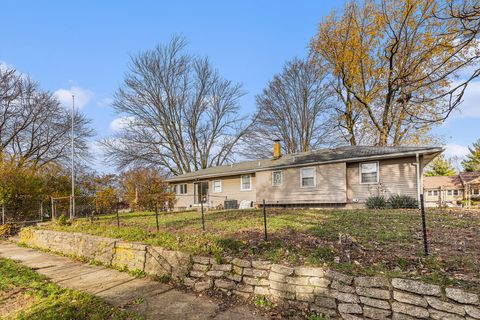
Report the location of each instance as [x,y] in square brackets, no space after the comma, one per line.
[4,65]
[455,150]
[82,96]
[120,123]
[105,102]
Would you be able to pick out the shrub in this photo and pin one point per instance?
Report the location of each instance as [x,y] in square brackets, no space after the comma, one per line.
[376,202]
[399,201]
[62,220]
[475,198]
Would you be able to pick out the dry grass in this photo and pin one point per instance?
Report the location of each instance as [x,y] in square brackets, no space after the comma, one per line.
[355,241]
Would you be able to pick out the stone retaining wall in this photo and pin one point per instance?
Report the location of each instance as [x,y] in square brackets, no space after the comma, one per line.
[307,288]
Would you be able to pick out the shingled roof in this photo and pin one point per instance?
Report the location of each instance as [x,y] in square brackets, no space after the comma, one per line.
[342,154]
[438,182]
[457,181]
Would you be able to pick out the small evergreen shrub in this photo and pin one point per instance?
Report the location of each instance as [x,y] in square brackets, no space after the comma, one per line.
[399,201]
[376,202]
[62,220]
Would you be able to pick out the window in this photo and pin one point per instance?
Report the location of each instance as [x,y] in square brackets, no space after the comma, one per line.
[181,189]
[200,192]
[476,191]
[277,178]
[369,172]
[307,177]
[449,192]
[246,183]
[217,186]
[432,193]
[455,192]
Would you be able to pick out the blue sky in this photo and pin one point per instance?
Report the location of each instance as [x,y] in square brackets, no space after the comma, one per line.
[84,47]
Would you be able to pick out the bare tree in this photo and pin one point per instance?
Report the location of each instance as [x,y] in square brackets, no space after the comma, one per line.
[34,127]
[183,116]
[295,107]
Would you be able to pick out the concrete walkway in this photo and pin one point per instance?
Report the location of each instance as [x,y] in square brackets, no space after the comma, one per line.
[151,299]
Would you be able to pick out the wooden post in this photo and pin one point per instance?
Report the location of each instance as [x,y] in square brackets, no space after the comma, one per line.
[424,226]
[3,213]
[41,210]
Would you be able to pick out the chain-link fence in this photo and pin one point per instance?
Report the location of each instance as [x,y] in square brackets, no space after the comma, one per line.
[24,210]
[84,206]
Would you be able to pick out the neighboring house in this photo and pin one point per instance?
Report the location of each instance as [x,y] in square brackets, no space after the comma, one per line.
[462,189]
[341,177]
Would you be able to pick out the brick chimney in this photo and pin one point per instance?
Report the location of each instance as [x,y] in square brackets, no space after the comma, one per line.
[277,149]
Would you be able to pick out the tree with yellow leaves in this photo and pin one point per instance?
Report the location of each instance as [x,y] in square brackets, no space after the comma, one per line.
[145,189]
[394,65]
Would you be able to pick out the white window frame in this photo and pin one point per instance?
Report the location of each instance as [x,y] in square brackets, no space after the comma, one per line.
[241,182]
[178,189]
[314,177]
[213,186]
[456,192]
[449,192]
[281,178]
[360,172]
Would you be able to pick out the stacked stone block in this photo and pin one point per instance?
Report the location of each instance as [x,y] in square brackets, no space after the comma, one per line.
[311,289]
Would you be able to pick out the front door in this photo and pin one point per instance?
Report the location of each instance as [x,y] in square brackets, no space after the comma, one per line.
[201,191]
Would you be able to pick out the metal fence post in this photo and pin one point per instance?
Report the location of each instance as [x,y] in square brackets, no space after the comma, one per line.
[156,217]
[73,207]
[424,226]
[203,215]
[53,208]
[116,212]
[3,213]
[41,210]
[265,219]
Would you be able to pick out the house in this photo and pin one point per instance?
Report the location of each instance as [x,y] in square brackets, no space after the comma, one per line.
[340,177]
[462,189]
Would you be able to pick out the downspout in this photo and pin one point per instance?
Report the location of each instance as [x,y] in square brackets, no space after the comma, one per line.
[419,182]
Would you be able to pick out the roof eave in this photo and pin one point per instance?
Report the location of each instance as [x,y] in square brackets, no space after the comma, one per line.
[356,159]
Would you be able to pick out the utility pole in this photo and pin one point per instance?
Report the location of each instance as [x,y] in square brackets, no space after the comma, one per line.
[72,199]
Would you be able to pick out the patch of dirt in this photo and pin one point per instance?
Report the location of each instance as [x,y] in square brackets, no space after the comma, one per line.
[14,300]
[455,248]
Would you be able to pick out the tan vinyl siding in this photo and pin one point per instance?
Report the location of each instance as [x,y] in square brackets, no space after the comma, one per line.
[442,198]
[335,183]
[230,190]
[184,200]
[397,176]
[330,186]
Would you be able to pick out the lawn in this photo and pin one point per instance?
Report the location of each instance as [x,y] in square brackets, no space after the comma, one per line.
[25,294]
[353,241]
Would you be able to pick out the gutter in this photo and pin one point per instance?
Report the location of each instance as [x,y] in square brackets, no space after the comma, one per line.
[348,160]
